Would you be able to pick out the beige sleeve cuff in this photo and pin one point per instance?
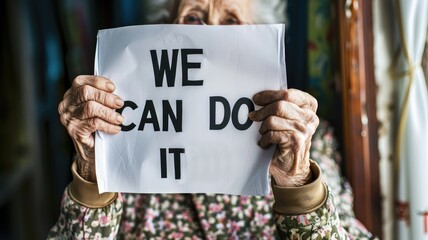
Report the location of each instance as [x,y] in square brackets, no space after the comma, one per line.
[86,193]
[300,200]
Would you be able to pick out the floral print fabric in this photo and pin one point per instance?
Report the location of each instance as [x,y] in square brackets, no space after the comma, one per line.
[217,216]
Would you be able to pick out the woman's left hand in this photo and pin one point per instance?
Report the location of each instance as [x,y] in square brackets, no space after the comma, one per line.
[288,120]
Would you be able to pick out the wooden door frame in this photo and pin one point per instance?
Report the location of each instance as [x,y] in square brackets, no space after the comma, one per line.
[360,123]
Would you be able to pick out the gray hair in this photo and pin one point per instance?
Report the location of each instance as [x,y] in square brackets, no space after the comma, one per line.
[270,11]
[160,11]
[265,11]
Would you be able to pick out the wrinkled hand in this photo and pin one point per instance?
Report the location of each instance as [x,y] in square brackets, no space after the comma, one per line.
[89,106]
[288,120]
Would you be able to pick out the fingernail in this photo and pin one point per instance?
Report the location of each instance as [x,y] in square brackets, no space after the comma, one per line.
[256,96]
[120,118]
[119,102]
[118,128]
[110,86]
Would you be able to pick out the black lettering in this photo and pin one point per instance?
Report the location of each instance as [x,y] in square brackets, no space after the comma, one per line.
[177,160]
[164,68]
[149,108]
[176,120]
[133,106]
[235,112]
[163,163]
[185,65]
[226,117]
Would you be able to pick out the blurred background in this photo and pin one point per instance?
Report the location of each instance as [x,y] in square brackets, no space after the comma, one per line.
[46,43]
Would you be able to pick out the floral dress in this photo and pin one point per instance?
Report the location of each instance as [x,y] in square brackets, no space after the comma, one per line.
[218,216]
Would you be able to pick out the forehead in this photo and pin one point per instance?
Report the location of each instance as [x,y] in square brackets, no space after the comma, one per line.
[214,4]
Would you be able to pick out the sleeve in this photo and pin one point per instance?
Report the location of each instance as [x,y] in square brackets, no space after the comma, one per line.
[323,208]
[307,212]
[85,214]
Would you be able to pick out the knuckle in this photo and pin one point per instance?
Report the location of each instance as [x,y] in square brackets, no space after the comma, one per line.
[312,118]
[89,109]
[292,91]
[271,134]
[305,114]
[85,93]
[93,122]
[266,139]
[101,125]
[284,94]
[104,98]
[82,111]
[73,98]
[78,80]
[99,96]
[314,104]
[64,118]
[277,137]
[281,108]
[61,107]
[71,131]
[270,121]
[283,138]
[75,111]
[316,120]
[106,113]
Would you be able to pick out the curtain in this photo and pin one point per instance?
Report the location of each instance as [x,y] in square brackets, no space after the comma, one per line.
[321,50]
[386,42]
[411,140]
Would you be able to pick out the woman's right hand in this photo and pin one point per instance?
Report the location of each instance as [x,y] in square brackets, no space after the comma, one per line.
[89,105]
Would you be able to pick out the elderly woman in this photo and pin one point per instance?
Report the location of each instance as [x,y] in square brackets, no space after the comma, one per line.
[302,205]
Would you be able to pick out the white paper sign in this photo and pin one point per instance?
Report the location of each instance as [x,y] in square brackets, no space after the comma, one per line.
[188,91]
